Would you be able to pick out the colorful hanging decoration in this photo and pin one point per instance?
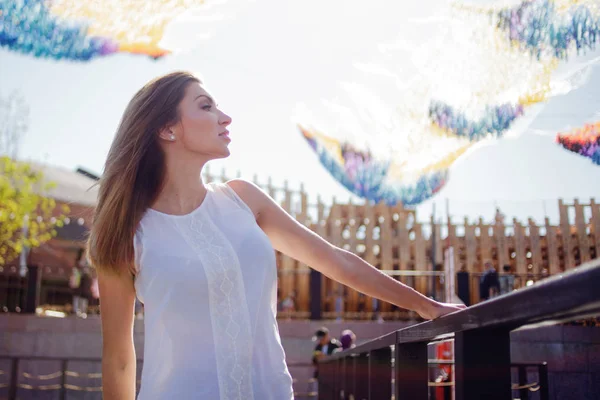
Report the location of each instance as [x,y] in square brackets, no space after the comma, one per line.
[540,27]
[495,120]
[369,178]
[584,141]
[467,81]
[83,30]
[549,27]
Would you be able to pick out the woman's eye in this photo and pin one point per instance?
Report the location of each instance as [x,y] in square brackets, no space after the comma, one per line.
[207,107]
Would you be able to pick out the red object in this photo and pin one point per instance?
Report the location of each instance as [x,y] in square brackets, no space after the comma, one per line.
[443,351]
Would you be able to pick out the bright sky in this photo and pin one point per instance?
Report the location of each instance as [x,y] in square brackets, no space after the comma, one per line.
[273,55]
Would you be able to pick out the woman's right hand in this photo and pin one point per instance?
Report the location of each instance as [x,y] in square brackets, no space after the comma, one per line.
[436,309]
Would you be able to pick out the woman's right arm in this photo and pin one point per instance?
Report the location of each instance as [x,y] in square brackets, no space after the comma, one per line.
[117,302]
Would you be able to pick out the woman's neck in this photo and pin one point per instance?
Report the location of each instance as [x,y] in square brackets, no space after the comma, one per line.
[183,189]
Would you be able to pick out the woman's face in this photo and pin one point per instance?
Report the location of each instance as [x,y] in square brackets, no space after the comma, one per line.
[202,127]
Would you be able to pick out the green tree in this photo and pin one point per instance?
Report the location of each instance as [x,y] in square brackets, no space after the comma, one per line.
[27,217]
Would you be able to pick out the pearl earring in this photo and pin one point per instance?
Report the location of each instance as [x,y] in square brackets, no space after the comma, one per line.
[171,137]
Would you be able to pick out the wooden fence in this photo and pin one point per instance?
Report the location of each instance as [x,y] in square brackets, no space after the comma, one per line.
[395,241]
[391,239]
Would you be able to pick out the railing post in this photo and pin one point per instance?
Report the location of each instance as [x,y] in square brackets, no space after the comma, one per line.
[341,374]
[351,377]
[63,379]
[362,377]
[523,392]
[322,382]
[326,380]
[412,371]
[346,378]
[34,284]
[482,364]
[337,381]
[543,377]
[380,374]
[14,379]
[341,388]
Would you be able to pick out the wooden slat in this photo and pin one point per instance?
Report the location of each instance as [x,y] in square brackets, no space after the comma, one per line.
[385,243]
[385,226]
[403,243]
[565,229]
[485,243]
[303,286]
[471,246]
[303,281]
[288,265]
[352,226]
[287,198]
[303,205]
[520,248]
[335,230]
[223,177]
[536,247]
[595,224]
[552,248]
[270,188]
[370,257]
[501,247]
[582,237]
[321,230]
[454,243]
[439,243]
[420,258]
[206,174]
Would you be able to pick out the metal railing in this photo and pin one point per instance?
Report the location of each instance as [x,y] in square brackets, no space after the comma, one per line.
[481,336]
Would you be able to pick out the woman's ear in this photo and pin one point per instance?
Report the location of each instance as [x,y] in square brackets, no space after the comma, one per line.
[167,134]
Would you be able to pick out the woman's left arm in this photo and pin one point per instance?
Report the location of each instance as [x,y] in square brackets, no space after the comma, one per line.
[295,240]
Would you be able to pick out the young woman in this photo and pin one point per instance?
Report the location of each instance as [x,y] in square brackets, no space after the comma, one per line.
[200,257]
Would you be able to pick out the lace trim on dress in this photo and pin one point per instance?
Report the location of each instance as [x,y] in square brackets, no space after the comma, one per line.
[229,313]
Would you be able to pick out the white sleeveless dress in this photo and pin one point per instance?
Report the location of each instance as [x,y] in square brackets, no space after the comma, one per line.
[208,282]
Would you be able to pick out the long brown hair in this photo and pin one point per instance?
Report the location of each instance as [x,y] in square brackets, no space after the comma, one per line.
[134,171]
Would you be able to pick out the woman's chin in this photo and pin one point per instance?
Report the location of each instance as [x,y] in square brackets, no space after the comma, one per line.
[213,154]
[224,154]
